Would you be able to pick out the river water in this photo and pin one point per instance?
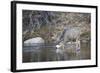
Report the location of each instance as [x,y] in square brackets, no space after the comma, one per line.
[44,54]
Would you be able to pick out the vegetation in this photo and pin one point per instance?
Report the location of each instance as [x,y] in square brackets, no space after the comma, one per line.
[46,23]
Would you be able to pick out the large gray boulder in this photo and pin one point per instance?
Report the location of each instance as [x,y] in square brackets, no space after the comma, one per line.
[34,41]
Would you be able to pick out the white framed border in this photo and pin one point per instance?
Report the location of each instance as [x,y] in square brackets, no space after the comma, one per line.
[40,65]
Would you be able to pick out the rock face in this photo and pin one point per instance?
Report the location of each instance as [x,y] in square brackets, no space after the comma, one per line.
[34,41]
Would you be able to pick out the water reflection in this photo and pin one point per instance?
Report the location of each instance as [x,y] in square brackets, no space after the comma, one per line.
[34,54]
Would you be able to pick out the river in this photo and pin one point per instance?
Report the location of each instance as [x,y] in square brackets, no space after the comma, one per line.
[44,54]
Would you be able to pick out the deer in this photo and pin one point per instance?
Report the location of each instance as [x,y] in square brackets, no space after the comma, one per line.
[69,35]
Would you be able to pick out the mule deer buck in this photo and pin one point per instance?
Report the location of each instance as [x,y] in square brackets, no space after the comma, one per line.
[69,36]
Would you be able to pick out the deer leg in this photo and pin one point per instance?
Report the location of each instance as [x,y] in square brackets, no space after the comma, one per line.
[78,48]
